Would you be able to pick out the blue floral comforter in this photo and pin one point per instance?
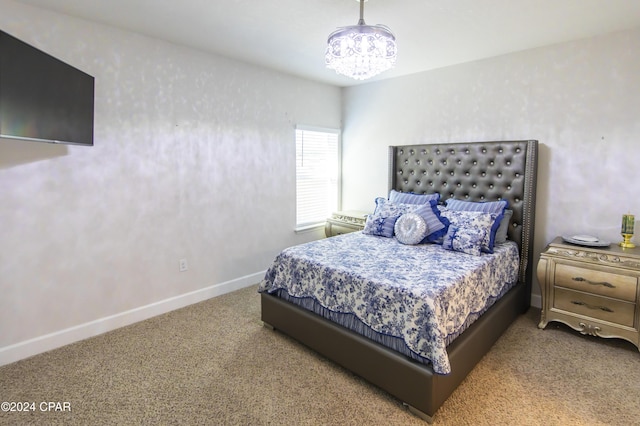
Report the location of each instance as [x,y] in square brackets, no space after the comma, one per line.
[422,294]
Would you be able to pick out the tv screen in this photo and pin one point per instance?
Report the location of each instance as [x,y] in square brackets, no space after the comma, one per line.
[42,98]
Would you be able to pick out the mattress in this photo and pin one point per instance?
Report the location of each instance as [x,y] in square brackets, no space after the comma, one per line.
[413,298]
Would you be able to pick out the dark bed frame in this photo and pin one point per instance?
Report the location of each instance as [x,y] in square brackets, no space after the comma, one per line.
[475,171]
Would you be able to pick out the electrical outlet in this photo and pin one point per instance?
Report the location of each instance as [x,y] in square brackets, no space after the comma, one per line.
[183,265]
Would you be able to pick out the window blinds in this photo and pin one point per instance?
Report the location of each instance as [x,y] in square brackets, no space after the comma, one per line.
[317,175]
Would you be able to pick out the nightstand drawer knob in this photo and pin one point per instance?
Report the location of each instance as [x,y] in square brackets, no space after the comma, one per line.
[602,283]
[586,305]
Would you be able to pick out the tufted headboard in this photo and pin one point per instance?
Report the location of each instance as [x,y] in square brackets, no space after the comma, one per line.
[476,171]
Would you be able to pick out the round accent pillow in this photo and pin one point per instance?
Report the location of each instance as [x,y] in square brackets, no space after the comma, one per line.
[410,228]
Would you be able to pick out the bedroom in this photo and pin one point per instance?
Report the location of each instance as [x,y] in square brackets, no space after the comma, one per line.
[90,234]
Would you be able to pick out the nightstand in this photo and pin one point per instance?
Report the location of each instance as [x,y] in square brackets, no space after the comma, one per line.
[593,290]
[344,222]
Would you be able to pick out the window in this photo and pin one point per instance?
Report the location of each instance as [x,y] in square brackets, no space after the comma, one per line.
[317,175]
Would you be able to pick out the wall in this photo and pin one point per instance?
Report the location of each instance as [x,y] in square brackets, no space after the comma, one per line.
[193,158]
[581,100]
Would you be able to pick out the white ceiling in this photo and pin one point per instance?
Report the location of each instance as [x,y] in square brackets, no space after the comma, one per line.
[290,35]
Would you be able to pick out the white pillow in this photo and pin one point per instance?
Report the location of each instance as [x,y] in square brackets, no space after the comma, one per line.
[411,228]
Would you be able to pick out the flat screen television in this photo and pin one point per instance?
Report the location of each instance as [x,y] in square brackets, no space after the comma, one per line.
[42,98]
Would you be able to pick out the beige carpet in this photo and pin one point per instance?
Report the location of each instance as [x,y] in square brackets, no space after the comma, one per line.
[214,363]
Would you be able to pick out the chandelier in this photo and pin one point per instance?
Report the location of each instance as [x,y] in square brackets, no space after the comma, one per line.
[361,51]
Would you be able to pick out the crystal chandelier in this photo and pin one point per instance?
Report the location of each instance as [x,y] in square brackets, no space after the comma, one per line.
[361,51]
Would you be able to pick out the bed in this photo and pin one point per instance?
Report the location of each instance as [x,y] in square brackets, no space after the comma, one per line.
[475,171]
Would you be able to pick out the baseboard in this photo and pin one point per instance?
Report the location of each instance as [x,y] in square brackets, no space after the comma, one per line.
[27,348]
[536,301]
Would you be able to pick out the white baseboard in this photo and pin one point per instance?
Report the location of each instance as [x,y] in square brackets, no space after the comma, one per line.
[27,348]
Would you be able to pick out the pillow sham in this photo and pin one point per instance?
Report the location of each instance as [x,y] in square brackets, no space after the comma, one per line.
[411,229]
[477,206]
[465,240]
[380,225]
[503,229]
[412,198]
[494,207]
[473,220]
[388,208]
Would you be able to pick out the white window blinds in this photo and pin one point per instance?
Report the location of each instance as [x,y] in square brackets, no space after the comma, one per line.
[317,175]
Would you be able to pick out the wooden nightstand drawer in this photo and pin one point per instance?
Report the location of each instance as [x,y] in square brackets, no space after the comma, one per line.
[333,228]
[597,282]
[602,308]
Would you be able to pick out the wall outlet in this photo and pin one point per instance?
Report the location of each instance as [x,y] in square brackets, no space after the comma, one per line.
[183,265]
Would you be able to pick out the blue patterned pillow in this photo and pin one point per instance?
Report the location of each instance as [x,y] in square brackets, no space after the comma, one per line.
[410,228]
[380,225]
[385,207]
[473,220]
[465,240]
[494,207]
[412,198]
[436,224]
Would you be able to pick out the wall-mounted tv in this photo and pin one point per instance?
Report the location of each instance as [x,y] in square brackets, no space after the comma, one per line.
[42,98]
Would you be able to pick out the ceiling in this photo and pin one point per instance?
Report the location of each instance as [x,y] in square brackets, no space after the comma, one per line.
[290,35]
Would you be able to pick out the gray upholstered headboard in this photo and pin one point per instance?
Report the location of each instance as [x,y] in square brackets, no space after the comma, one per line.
[476,171]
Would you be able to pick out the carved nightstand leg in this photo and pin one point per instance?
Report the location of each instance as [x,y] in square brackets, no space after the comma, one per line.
[543,321]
